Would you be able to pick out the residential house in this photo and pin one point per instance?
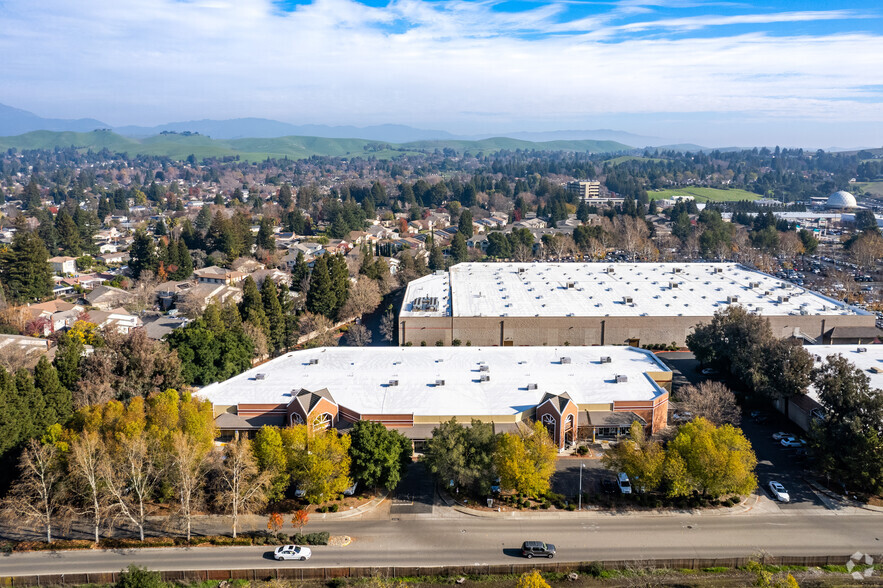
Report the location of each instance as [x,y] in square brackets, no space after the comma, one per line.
[118,319]
[201,295]
[247,265]
[278,276]
[218,275]
[58,314]
[167,293]
[157,328]
[87,281]
[63,265]
[114,257]
[107,297]
[30,347]
[477,241]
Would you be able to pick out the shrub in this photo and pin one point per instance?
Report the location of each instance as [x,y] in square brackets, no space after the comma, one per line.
[283,538]
[334,507]
[456,342]
[439,343]
[319,538]
[423,344]
[582,450]
[336,582]
[137,577]
[595,569]
[571,507]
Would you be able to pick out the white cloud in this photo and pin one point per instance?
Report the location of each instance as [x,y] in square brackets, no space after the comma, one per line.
[414,62]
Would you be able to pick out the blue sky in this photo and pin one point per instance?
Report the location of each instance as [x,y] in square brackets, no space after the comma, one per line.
[786,72]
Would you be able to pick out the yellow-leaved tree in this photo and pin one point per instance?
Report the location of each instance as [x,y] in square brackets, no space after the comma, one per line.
[526,463]
[318,461]
[532,579]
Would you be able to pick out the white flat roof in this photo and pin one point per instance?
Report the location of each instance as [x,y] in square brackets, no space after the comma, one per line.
[872,357]
[358,378]
[604,289]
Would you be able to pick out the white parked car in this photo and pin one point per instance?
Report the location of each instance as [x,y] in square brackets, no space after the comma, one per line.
[792,442]
[779,493]
[781,435]
[292,552]
[625,486]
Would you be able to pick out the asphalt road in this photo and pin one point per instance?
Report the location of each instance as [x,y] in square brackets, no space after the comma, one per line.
[493,541]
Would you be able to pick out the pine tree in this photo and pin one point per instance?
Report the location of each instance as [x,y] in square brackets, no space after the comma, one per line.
[10,413]
[68,234]
[459,251]
[251,308]
[465,225]
[31,198]
[265,238]
[143,254]
[273,312]
[24,270]
[300,272]
[59,404]
[204,218]
[104,208]
[160,229]
[285,196]
[321,298]
[185,261]
[436,259]
[340,280]
[32,404]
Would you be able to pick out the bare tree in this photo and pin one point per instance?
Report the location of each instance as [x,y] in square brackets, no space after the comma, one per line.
[36,494]
[358,336]
[364,297]
[388,326]
[243,487]
[320,328]
[522,253]
[143,293]
[711,400]
[14,357]
[188,464]
[129,476]
[258,338]
[87,453]
[867,249]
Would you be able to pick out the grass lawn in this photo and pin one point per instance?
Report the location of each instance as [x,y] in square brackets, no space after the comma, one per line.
[871,188]
[703,194]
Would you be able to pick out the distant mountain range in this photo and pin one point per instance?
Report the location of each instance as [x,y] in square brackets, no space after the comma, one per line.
[180,146]
[14,121]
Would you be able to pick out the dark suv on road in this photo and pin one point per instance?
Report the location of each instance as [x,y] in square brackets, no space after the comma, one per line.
[531,549]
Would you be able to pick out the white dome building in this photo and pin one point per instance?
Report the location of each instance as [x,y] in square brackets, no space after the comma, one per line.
[841,200]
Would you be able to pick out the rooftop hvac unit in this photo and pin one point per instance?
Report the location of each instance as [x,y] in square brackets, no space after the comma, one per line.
[531,386]
[565,360]
[754,285]
[439,383]
[484,368]
[260,376]
[718,270]
[611,269]
[784,298]
[627,299]
[672,284]
[803,311]
[732,299]
[861,350]
[393,382]
[678,270]
[485,378]
[571,284]
[521,270]
[314,361]
[621,379]
[606,359]
[767,293]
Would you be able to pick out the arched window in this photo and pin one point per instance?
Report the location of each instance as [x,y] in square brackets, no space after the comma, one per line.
[549,422]
[568,423]
[322,422]
[296,419]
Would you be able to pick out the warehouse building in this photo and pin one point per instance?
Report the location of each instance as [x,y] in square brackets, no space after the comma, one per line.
[511,304]
[577,392]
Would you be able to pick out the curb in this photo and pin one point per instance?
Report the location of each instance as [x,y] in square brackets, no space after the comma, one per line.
[840,499]
[367,507]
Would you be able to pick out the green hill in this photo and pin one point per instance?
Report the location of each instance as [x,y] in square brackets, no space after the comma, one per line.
[180,146]
[703,194]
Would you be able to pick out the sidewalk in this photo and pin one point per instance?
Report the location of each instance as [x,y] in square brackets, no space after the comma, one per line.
[836,501]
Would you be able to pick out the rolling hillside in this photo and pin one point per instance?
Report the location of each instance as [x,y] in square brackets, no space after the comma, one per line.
[181,146]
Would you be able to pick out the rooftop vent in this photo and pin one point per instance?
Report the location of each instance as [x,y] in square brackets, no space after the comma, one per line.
[260,376]
[393,382]
[484,368]
[718,270]
[754,285]
[439,383]
[627,300]
[485,378]
[732,299]
[571,284]
[565,360]
[784,298]
[314,361]
[611,269]
[531,386]
[606,359]
[521,270]
[678,270]
[621,379]
[861,350]
[672,284]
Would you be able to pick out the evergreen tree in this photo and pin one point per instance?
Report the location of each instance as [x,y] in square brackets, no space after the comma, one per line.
[24,270]
[265,238]
[340,281]
[47,232]
[273,312]
[300,272]
[459,251]
[67,360]
[204,218]
[465,225]
[251,308]
[59,404]
[321,298]
[11,417]
[185,262]
[31,196]
[436,259]
[160,229]
[104,208]
[142,255]
[68,234]
[284,197]
[32,405]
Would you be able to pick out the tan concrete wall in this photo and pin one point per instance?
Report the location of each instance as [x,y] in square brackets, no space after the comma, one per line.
[488,331]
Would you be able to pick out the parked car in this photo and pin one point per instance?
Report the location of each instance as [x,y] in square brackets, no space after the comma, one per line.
[792,442]
[292,552]
[709,372]
[779,493]
[781,435]
[531,549]
[682,416]
[625,485]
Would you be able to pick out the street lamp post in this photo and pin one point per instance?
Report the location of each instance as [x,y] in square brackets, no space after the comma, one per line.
[581,486]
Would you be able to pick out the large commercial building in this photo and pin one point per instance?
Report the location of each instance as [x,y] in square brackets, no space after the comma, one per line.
[577,392]
[511,304]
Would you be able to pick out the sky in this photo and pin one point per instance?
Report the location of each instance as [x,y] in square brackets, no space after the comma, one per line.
[803,73]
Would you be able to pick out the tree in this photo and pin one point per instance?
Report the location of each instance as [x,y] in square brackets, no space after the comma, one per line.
[130,475]
[525,464]
[188,464]
[284,196]
[364,297]
[810,243]
[849,440]
[732,342]
[785,371]
[340,282]
[867,249]
[498,246]
[36,494]
[68,234]
[273,311]
[379,455]
[275,522]
[300,275]
[639,458]
[300,519]
[459,251]
[318,461]
[711,400]
[462,456]
[321,298]
[436,259]
[716,460]
[270,456]
[388,327]
[532,579]
[59,404]
[25,273]
[465,225]
[143,255]
[866,221]
[265,238]
[87,454]
[358,336]
[243,485]
[320,328]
